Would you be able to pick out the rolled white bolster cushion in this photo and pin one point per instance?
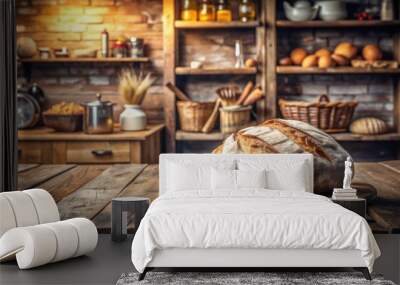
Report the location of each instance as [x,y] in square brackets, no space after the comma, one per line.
[41,244]
[7,218]
[45,206]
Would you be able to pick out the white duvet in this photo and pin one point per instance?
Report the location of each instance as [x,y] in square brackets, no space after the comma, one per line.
[250,219]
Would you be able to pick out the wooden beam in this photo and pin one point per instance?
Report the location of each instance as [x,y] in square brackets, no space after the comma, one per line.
[145,185]
[90,199]
[271,81]
[33,177]
[261,58]
[170,58]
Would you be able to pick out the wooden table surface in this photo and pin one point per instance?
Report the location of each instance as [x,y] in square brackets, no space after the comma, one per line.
[47,134]
[87,190]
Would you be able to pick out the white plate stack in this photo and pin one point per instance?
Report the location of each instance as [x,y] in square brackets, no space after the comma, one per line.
[344,194]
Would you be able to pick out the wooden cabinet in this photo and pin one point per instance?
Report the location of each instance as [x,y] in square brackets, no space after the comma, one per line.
[47,146]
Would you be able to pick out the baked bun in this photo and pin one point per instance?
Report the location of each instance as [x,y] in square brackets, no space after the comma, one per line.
[286,61]
[372,53]
[298,55]
[323,52]
[346,49]
[289,136]
[325,61]
[368,126]
[340,59]
[310,61]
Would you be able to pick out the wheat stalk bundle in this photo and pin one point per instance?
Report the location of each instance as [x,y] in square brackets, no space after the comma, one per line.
[132,87]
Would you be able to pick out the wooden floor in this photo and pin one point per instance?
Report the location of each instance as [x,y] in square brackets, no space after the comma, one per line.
[87,190]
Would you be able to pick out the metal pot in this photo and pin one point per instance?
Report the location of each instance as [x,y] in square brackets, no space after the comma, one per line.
[98,116]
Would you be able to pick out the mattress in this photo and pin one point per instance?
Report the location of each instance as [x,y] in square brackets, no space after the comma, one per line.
[250,219]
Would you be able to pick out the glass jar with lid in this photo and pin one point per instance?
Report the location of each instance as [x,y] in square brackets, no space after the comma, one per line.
[189,10]
[224,13]
[247,10]
[207,10]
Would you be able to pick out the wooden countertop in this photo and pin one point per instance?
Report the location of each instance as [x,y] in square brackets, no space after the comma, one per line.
[47,134]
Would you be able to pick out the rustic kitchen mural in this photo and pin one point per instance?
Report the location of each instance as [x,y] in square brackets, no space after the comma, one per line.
[82,47]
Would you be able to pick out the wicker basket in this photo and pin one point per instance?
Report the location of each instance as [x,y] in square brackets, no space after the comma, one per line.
[232,120]
[193,115]
[332,117]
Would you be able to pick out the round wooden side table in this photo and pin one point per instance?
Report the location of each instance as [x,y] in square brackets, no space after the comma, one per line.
[121,206]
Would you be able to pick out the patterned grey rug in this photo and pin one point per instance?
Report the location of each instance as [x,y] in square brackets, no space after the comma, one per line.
[243,278]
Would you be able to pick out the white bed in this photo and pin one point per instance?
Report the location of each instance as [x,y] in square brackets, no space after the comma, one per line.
[248,227]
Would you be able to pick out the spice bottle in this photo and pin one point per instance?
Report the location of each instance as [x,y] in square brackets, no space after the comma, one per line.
[224,13]
[239,54]
[104,43]
[189,10]
[387,10]
[247,10]
[207,11]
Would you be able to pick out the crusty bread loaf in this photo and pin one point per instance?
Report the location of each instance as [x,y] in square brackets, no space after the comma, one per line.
[368,126]
[289,136]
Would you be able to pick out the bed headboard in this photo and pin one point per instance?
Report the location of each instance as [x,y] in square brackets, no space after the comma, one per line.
[280,162]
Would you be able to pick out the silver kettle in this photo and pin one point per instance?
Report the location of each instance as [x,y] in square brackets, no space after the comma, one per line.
[98,116]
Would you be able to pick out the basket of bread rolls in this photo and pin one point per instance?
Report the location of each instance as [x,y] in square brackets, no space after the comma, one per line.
[344,54]
[327,115]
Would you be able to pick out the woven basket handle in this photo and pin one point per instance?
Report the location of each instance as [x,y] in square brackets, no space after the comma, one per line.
[323,98]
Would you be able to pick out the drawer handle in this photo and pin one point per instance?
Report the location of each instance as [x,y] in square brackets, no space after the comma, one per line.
[102,152]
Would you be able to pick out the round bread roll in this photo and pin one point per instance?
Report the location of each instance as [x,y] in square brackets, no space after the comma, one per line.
[310,61]
[26,47]
[286,61]
[368,126]
[346,49]
[325,61]
[289,136]
[371,53]
[340,60]
[323,52]
[298,55]
[250,62]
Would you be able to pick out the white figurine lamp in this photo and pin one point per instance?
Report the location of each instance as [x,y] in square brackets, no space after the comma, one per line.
[346,193]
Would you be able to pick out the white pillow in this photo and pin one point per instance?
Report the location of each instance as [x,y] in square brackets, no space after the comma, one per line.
[224,179]
[190,176]
[281,174]
[251,178]
[291,180]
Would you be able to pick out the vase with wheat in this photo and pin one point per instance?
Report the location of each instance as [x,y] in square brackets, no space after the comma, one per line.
[132,89]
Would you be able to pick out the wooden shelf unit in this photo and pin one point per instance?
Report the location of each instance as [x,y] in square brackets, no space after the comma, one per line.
[334,70]
[337,24]
[172,27]
[29,63]
[267,28]
[345,137]
[87,60]
[214,71]
[273,25]
[215,25]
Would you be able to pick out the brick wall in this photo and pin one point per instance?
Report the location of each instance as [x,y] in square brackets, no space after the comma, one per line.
[77,24]
[374,92]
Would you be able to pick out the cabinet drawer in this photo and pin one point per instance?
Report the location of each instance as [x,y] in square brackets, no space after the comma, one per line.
[34,152]
[97,152]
